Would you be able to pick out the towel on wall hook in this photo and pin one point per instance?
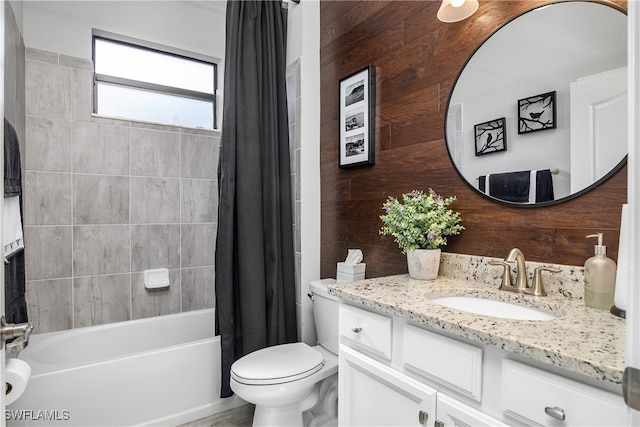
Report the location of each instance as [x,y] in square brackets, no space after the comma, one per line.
[14,269]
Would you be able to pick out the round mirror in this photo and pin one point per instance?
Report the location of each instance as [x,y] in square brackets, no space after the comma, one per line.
[538,114]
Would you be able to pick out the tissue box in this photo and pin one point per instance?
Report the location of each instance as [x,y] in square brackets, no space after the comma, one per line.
[350,272]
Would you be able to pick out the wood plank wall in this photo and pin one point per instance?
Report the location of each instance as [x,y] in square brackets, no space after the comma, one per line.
[417,59]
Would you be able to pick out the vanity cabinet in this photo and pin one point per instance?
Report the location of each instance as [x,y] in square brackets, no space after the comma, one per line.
[531,394]
[373,394]
[392,373]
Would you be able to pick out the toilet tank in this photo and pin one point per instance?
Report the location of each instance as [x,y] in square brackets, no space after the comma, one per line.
[325,314]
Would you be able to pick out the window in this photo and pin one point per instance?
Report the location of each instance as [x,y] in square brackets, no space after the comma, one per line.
[143,81]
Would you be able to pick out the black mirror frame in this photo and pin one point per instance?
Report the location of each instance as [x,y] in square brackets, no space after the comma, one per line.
[585,190]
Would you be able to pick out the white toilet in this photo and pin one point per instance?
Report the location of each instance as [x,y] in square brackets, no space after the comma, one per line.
[295,384]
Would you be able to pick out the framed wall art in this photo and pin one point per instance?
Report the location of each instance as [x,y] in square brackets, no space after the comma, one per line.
[490,137]
[537,113]
[357,118]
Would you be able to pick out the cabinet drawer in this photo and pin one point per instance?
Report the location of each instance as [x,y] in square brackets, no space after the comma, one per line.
[552,400]
[445,360]
[367,330]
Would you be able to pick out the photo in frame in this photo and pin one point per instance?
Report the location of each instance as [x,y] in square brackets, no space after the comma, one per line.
[357,118]
[537,113]
[490,137]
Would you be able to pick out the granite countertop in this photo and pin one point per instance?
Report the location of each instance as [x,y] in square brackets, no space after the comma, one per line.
[583,340]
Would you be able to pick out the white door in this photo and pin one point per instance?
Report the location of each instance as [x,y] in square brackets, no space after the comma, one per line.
[632,355]
[598,106]
[372,394]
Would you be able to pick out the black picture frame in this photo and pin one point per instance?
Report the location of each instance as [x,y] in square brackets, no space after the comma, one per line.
[356,137]
[490,137]
[536,113]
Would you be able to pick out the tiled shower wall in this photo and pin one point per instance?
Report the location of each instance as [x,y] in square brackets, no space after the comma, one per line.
[107,199]
[295,148]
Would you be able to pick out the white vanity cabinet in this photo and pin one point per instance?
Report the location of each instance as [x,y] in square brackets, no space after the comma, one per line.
[534,395]
[374,393]
[392,373]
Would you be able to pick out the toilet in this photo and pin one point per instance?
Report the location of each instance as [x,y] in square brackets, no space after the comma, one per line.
[295,384]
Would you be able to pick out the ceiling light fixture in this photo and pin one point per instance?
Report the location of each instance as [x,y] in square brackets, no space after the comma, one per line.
[456,10]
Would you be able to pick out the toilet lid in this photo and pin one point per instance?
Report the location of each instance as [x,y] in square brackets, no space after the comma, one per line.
[277,364]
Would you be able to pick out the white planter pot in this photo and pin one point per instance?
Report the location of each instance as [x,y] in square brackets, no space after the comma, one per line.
[423,263]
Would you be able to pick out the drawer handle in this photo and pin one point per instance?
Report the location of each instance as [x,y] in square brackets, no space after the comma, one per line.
[423,416]
[356,329]
[555,412]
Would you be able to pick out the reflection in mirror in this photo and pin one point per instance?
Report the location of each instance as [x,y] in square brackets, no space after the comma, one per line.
[557,75]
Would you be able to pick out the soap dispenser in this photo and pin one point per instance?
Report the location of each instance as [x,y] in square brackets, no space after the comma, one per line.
[599,277]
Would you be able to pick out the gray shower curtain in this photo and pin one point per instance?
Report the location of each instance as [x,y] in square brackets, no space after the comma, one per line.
[255,275]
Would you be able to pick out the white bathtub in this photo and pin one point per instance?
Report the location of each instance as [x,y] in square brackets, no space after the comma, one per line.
[160,371]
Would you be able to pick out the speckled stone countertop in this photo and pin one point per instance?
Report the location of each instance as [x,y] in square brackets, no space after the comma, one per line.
[582,340]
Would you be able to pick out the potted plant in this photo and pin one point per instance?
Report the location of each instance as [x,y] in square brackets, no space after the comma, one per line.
[420,223]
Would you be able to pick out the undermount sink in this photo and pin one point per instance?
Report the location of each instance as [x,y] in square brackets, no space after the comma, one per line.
[488,307]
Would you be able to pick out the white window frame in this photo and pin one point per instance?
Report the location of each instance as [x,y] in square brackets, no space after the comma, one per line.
[162,89]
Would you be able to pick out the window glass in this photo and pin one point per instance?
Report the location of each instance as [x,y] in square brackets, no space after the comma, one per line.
[144,82]
[137,104]
[130,62]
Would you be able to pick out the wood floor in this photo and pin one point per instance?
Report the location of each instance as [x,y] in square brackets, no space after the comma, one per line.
[238,417]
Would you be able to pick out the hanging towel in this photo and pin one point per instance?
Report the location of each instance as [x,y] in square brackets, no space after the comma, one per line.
[510,186]
[14,269]
[544,186]
[12,167]
[12,238]
[532,186]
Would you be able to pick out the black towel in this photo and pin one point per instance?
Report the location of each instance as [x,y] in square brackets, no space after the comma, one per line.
[12,167]
[14,270]
[510,186]
[544,186]
[514,186]
[15,303]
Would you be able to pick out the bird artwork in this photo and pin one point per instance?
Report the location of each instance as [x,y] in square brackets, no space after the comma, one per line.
[537,113]
[490,137]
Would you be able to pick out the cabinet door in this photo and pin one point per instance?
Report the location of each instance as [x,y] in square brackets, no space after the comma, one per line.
[373,394]
[452,413]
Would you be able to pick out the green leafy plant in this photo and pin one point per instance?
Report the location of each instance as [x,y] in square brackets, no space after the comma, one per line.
[420,220]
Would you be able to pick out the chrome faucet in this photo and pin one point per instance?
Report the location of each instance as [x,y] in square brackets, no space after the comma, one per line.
[522,283]
[18,332]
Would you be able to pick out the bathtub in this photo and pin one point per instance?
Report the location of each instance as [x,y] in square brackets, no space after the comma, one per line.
[161,371]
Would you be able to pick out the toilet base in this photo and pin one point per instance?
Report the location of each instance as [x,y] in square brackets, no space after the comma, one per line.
[265,416]
[285,416]
[325,412]
[319,409]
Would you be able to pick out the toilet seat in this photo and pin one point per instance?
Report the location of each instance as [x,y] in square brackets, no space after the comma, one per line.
[277,364]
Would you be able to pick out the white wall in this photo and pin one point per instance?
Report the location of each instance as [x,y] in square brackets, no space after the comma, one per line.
[17,7]
[304,44]
[65,26]
[632,355]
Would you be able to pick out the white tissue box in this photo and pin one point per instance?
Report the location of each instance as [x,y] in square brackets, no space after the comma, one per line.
[350,272]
